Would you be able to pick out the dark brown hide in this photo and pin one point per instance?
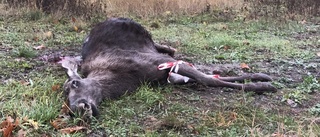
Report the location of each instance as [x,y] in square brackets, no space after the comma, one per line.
[119,55]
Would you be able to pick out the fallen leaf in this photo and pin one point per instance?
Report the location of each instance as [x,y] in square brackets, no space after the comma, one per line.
[167,12]
[177,43]
[55,87]
[75,28]
[244,66]
[233,116]
[195,132]
[190,127]
[246,42]
[69,130]
[318,54]
[39,47]
[48,34]
[19,59]
[303,22]
[204,23]
[225,27]
[22,133]
[24,83]
[36,38]
[9,119]
[55,21]
[8,126]
[7,131]
[292,103]
[27,43]
[226,47]
[25,119]
[222,123]
[16,123]
[34,124]
[59,123]
[73,19]
[3,124]
[276,134]
[151,118]
[65,109]
[31,122]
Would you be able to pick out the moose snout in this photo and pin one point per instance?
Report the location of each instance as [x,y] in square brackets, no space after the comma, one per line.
[83,108]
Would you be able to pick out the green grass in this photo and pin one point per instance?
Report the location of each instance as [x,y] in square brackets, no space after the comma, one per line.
[230,41]
[27,83]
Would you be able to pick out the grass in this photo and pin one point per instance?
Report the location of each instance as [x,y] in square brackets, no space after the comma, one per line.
[31,88]
[230,41]
[138,8]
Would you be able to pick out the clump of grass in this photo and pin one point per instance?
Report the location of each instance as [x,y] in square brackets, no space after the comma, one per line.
[31,99]
[34,15]
[309,85]
[140,8]
[315,110]
[24,51]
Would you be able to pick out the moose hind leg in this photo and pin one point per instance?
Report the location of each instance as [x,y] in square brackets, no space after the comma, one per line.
[165,49]
[252,77]
[189,71]
[175,78]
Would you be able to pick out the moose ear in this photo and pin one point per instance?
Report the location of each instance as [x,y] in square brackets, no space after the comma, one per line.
[75,84]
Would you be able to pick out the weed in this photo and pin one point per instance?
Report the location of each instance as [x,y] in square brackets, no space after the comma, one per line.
[309,85]
[297,96]
[315,110]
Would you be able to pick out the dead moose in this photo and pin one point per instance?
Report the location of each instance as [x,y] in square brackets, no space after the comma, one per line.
[119,55]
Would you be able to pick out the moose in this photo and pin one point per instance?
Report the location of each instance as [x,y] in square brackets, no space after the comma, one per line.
[119,55]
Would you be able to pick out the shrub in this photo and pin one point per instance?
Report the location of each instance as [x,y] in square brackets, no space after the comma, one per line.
[288,9]
[141,8]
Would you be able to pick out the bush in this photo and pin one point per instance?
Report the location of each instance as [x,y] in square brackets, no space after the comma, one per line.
[75,7]
[253,9]
[282,8]
[141,8]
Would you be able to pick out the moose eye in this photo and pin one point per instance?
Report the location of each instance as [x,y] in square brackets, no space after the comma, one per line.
[75,84]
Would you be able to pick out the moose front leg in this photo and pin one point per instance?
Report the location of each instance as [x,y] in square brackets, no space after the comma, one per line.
[165,49]
[190,72]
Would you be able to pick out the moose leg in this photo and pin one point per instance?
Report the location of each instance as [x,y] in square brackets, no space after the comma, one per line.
[179,79]
[165,49]
[252,77]
[175,78]
[190,72]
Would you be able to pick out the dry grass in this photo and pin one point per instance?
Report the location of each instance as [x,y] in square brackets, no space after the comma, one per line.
[143,8]
[158,7]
